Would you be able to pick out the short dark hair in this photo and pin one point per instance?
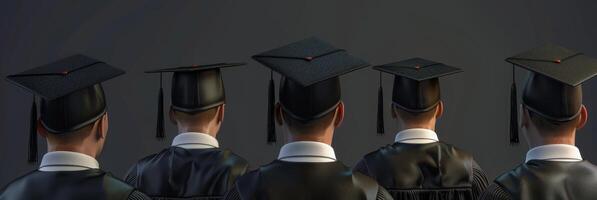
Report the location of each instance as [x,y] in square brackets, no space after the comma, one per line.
[74,136]
[297,126]
[198,117]
[548,127]
[415,117]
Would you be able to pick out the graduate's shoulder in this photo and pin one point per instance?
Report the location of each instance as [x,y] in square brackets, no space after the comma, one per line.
[380,151]
[17,181]
[153,156]
[456,149]
[233,157]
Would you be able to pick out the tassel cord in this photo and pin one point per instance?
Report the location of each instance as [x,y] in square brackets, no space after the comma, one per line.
[380,120]
[160,120]
[32,157]
[271,126]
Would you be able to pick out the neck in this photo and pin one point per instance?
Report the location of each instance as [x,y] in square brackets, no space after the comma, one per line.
[535,139]
[89,150]
[404,126]
[325,136]
[197,128]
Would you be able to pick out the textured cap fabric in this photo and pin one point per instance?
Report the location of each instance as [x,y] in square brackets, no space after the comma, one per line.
[556,62]
[64,76]
[418,69]
[310,61]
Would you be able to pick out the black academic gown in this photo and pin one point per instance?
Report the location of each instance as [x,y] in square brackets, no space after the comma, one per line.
[431,171]
[177,173]
[305,180]
[69,185]
[546,180]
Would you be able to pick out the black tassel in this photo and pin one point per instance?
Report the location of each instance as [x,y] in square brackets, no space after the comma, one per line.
[380,124]
[32,158]
[271,124]
[160,124]
[513,111]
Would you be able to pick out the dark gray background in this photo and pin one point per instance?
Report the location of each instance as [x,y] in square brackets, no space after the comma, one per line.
[142,35]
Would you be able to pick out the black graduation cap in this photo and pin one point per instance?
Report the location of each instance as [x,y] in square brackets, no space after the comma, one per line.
[416,85]
[553,89]
[310,87]
[71,94]
[195,88]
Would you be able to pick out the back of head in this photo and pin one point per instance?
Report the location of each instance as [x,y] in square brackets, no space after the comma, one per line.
[307,109]
[552,128]
[76,122]
[196,97]
[197,91]
[72,138]
[314,126]
[415,96]
[200,118]
[553,107]
[415,118]
[552,99]
[416,102]
[73,112]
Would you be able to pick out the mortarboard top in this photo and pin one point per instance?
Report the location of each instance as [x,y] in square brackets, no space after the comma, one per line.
[418,69]
[416,85]
[64,76]
[196,67]
[72,96]
[310,87]
[553,89]
[195,88]
[310,61]
[564,65]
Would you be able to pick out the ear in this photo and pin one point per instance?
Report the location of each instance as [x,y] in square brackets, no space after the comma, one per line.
[439,110]
[394,115]
[220,114]
[339,114]
[41,130]
[583,117]
[171,115]
[101,126]
[278,114]
[525,119]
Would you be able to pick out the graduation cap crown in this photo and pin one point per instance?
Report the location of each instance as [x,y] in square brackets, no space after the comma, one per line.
[310,87]
[553,89]
[195,88]
[416,85]
[71,94]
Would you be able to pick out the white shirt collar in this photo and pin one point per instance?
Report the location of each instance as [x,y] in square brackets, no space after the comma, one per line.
[307,151]
[554,152]
[67,161]
[416,136]
[195,140]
